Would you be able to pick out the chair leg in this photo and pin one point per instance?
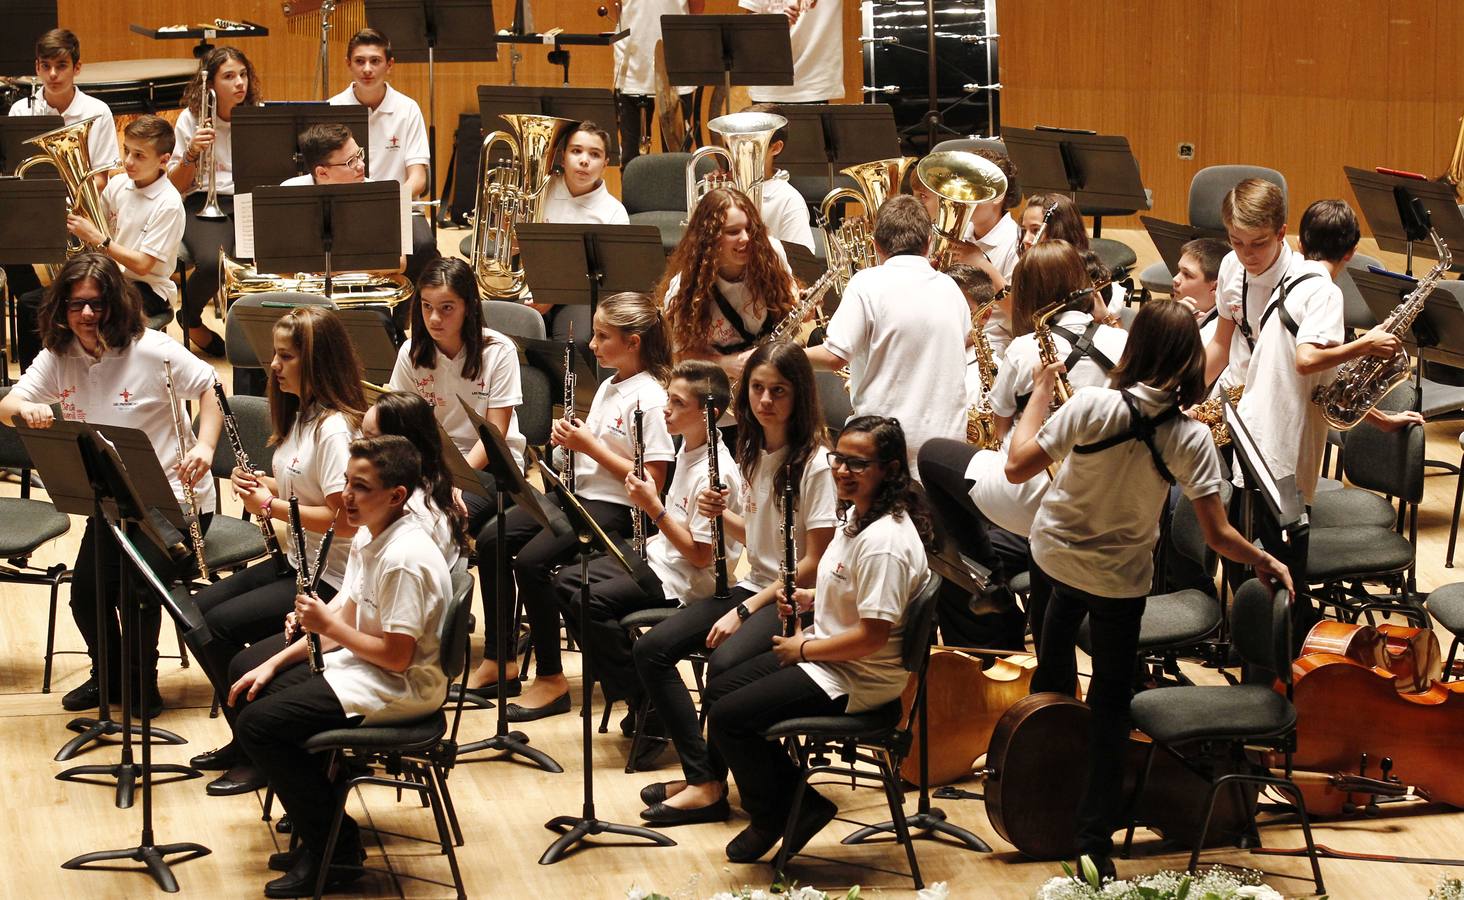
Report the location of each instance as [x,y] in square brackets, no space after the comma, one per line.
[890,777]
[343,794]
[605,713]
[1215,786]
[1454,523]
[447,844]
[1311,847]
[780,862]
[638,713]
[1133,805]
[451,810]
[50,637]
[182,647]
[1449,663]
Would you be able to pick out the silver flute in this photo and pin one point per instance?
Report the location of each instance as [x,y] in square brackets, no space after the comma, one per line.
[180,431]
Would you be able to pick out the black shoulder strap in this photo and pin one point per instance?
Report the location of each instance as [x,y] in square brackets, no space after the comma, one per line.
[1141,428]
[735,320]
[1279,304]
[1083,346]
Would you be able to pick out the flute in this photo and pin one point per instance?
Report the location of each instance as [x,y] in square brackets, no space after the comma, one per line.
[190,499]
[714,475]
[241,459]
[305,581]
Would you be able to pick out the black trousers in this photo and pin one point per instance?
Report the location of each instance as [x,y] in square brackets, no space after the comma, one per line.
[752,638]
[273,730]
[533,552]
[613,595]
[84,580]
[747,700]
[1113,627]
[656,655]
[205,239]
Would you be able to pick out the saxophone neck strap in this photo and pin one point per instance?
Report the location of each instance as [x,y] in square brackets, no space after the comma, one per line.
[746,339]
[1083,347]
[1141,428]
[1278,304]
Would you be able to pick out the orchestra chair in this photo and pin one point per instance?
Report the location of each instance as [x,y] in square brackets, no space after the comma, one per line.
[27,525]
[513,318]
[1446,604]
[833,396]
[249,374]
[653,189]
[1207,189]
[636,624]
[1242,715]
[880,737]
[414,756]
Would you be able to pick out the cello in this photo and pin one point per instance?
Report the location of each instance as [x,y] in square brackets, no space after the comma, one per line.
[965,696]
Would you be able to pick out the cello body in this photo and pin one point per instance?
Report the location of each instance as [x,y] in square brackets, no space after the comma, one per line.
[1411,654]
[964,703]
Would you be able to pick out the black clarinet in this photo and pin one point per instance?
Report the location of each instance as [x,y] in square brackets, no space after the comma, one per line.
[305,580]
[714,476]
[241,459]
[788,568]
[638,454]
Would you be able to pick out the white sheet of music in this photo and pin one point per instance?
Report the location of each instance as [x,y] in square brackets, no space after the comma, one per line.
[244,224]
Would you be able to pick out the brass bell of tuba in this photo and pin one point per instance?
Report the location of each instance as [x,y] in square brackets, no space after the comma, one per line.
[961,181]
[748,136]
[65,150]
[237,279]
[512,192]
[851,245]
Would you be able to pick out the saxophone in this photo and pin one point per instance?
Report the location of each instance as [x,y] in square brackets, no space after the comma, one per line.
[1212,414]
[1363,382]
[980,419]
[180,430]
[1047,349]
[808,302]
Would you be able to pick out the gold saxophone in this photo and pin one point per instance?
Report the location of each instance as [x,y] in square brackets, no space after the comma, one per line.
[981,419]
[1047,349]
[1212,414]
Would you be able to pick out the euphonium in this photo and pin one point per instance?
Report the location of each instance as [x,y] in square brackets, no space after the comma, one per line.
[208,161]
[512,192]
[851,245]
[346,289]
[961,181]
[981,418]
[65,150]
[748,136]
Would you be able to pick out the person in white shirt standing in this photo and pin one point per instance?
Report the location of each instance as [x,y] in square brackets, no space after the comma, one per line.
[635,74]
[900,328]
[816,28]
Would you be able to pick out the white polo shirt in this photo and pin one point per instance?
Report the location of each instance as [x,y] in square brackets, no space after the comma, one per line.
[125,387]
[403,588]
[752,310]
[298,181]
[595,207]
[902,326]
[223,153]
[149,219]
[678,579]
[872,575]
[1014,378]
[785,212]
[635,54]
[609,420]
[1002,245]
[817,507]
[101,141]
[1097,525]
[1235,290]
[497,386]
[311,463]
[398,137]
[818,52]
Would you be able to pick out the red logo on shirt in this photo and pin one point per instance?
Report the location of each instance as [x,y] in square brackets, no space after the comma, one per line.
[394,144]
[839,571]
[126,395]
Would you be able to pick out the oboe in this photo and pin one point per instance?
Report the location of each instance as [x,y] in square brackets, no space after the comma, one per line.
[566,467]
[180,431]
[638,454]
[305,581]
[714,476]
[241,459]
[788,566]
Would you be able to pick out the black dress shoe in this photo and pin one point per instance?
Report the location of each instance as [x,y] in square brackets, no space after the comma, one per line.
[218,760]
[661,814]
[285,860]
[655,792]
[240,779]
[215,346]
[555,707]
[83,697]
[300,880]
[813,815]
[751,844]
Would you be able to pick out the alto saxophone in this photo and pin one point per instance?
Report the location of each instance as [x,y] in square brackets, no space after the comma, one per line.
[808,302]
[981,419]
[1047,349]
[180,430]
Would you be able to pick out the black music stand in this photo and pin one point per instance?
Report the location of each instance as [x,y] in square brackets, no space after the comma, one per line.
[14,132]
[24,19]
[753,50]
[204,35]
[576,264]
[826,137]
[98,482]
[574,829]
[559,56]
[579,104]
[328,228]
[1098,171]
[266,139]
[32,230]
[509,479]
[1170,237]
[1400,209]
[371,333]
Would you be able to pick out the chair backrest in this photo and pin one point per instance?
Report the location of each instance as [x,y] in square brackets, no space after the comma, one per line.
[236,344]
[657,181]
[511,317]
[1260,629]
[919,620]
[13,454]
[834,398]
[1355,312]
[536,413]
[1185,534]
[251,416]
[454,633]
[1212,183]
[1390,463]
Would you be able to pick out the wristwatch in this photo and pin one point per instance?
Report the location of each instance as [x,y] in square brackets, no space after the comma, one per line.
[105,244]
[743,613]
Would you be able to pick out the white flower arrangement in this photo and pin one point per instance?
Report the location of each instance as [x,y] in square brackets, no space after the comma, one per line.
[1448,889]
[936,891]
[1215,883]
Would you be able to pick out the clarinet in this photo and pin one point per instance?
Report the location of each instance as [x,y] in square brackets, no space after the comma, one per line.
[566,466]
[638,453]
[305,581]
[714,475]
[241,459]
[788,566]
[181,431]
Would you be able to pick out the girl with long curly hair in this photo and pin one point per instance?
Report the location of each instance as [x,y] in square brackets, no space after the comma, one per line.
[727,283]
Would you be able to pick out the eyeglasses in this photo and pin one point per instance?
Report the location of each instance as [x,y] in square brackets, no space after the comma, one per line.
[97,304]
[357,160]
[856,465]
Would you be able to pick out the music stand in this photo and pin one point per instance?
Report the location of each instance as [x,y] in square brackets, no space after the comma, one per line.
[751,50]
[24,19]
[1170,237]
[371,334]
[826,137]
[32,230]
[592,540]
[559,40]
[1391,205]
[576,264]
[97,481]
[579,104]
[14,132]
[327,228]
[1098,171]
[266,139]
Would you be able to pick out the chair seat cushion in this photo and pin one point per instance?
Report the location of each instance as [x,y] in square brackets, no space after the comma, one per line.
[1020,583]
[1117,256]
[1447,605]
[668,220]
[1351,506]
[647,618]
[406,737]
[1178,714]
[868,724]
[1157,278]
[465,246]
[1336,554]
[27,524]
[1171,620]
[231,541]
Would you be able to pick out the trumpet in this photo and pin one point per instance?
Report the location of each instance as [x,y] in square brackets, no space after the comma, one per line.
[206,159]
[65,150]
[961,181]
[180,431]
[748,136]
[638,453]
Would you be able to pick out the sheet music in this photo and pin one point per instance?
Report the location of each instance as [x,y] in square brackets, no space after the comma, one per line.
[244,226]
[406,220]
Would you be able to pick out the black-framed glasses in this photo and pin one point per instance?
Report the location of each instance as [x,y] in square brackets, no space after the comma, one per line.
[357,159]
[97,304]
[855,464]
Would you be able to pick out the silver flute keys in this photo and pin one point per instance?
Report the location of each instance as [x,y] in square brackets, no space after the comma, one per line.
[180,431]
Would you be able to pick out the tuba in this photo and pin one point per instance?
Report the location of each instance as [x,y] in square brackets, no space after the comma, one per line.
[748,136]
[512,192]
[347,289]
[851,245]
[65,150]
[961,181]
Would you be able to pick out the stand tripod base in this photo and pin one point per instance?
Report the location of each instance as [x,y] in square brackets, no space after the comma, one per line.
[575,830]
[150,856]
[126,775]
[932,820]
[96,729]
[513,742]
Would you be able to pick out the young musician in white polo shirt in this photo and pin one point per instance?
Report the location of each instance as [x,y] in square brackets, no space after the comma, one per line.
[1195,282]
[58,62]
[103,366]
[907,360]
[816,29]
[635,73]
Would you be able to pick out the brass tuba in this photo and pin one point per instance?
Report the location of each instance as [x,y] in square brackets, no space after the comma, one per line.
[748,136]
[961,181]
[512,192]
[65,150]
[237,279]
[851,245]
